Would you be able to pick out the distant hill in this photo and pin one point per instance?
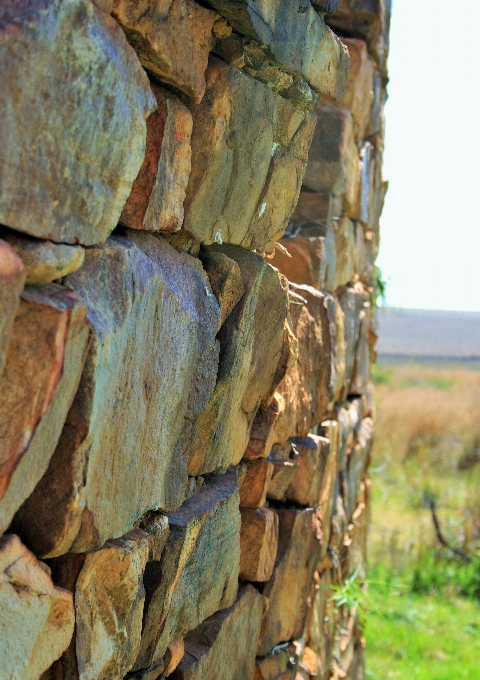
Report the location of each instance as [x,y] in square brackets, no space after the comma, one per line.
[419,333]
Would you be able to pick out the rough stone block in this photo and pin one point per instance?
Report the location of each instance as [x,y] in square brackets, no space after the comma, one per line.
[288,589]
[253,491]
[357,463]
[321,625]
[45,261]
[172,39]
[274,666]
[154,347]
[316,209]
[82,97]
[361,367]
[252,343]
[156,200]
[312,453]
[351,300]
[284,472]
[333,157]
[365,19]
[336,319]
[225,279]
[331,431]
[344,232]
[305,263]
[258,544]
[224,645]
[198,572]
[306,386]
[359,90]
[297,38]
[249,153]
[45,358]
[12,279]
[36,618]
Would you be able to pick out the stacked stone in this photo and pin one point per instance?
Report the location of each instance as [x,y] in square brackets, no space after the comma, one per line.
[184,427]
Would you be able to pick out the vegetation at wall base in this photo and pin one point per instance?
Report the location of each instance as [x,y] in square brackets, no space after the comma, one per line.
[423,617]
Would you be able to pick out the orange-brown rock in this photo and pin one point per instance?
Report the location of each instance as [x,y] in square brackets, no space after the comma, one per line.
[172,39]
[47,350]
[305,262]
[156,200]
[249,153]
[253,492]
[306,386]
[331,431]
[289,587]
[356,467]
[312,453]
[284,472]
[224,645]
[225,279]
[262,434]
[109,601]
[36,618]
[344,232]
[321,625]
[258,544]
[137,357]
[82,97]
[359,92]
[12,279]
[44,261]
[333,157]
[310,49]
[252,344]
[366,19]
[192,580]
[274,666]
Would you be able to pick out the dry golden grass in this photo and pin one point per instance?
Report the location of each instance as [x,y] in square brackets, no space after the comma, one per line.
[427,444]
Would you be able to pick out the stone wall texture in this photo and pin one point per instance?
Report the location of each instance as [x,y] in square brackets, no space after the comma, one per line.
[190,198]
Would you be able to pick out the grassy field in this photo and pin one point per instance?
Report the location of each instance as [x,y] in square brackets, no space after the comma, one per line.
[424,620]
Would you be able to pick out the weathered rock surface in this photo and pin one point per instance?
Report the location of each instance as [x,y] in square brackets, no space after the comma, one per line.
[330,429]
[253,492]
[333,157]
[336,319]
[258,544]
[36,618]
[45,261]
[262,434]
[366,19]
[109,600]
[274,666]
[305,263]
[249,153]
[312,453]
[137,357]
[351,299]
[321,625]
[225,279]
[288,589]
[284,472]
[359,92]
[224,645]
[357,463]
[12,279]
[344,232]
[47,350]
[192,581]
[305,387]
[82,97]
[251,344]
[296,37]
[156,200]
[172,39]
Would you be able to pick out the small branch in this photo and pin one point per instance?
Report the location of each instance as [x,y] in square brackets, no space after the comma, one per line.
[440,535]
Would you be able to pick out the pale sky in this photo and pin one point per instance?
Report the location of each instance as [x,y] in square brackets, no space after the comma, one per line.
[430,231]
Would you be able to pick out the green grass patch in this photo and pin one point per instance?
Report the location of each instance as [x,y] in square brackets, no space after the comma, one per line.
[422,637]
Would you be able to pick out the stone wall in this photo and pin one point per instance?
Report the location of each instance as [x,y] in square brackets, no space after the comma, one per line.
[186,329]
